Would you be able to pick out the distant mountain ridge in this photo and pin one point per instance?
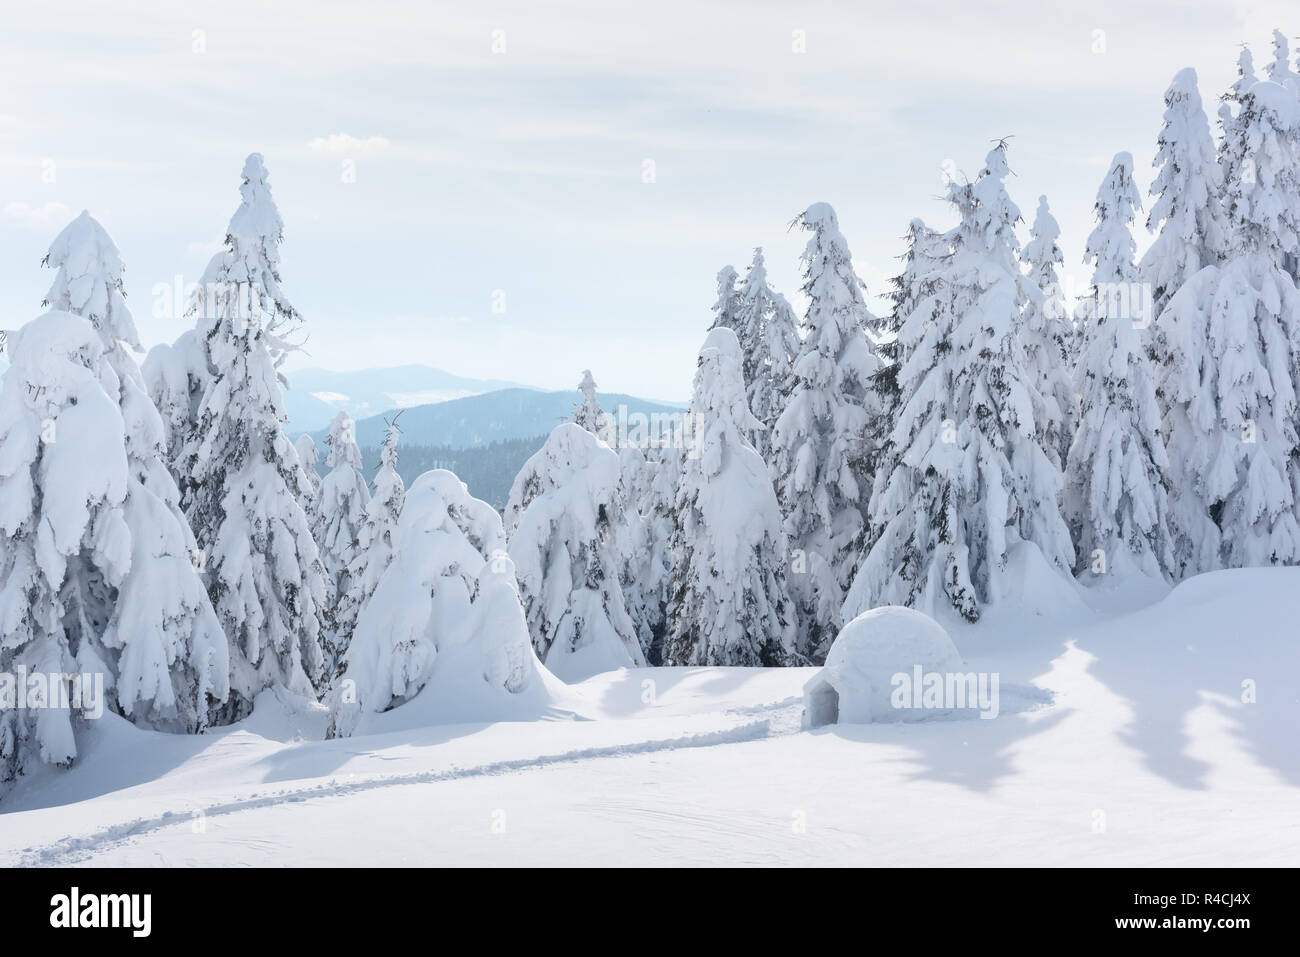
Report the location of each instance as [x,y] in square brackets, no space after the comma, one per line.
[485,439]
[316,395]
[475,421]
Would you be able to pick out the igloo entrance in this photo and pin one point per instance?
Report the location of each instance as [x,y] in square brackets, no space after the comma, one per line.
[823,705]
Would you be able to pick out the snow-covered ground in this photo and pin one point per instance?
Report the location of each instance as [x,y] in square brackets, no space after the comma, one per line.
[1122,738]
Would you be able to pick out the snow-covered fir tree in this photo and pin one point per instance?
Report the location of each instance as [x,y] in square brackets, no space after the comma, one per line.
[1111,249]
[782,350]
[340,516]
[94,579]
[374,547]
[176,376]
[925,256]
[820,456]
[1279,71]
[729,601]
[1233,331]
[241,482]
[167,643]
[924,259]
[971,478]
[444,609]
[768,331]
[587,414]
[1229,109]
[561,518]
[664,461]
[727,306]
[1187,217]
[309,459]
[1046,337]
[1115,497]
[642,567]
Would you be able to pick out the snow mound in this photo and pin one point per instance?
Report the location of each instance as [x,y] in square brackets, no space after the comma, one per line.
[856,684]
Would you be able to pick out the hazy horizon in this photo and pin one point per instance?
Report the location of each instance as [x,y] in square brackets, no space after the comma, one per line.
[500,159]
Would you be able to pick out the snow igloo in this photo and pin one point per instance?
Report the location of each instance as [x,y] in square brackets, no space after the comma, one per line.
[855,685]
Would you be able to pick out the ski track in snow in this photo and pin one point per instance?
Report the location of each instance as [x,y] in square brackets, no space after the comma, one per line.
[783,719]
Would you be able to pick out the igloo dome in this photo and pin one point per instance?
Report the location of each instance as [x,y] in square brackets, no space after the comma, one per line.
[855,685]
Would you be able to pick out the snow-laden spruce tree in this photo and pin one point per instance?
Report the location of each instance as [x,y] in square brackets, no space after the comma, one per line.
[729,602]
[309,459]
[176,376]
[924,258]
[241,481]
[819,449]
[374,547]
[1233,331]
[1279,71]
[768,331]
[664,461]
[587,414]
[971,478]
[1229,109]
[94,578]
[783,347]
[167,643]
[642,566]
[446,599]
[727,306]
[1046,335]
[339,519]
[1188,217]
[561,517]
[1115,497]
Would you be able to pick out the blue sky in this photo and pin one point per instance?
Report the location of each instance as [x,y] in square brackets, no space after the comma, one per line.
[499,152]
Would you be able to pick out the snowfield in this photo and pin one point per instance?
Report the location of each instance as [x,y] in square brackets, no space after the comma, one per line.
[1122,739]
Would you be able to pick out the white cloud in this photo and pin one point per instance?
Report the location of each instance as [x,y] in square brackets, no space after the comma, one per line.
[46,217]
[347,143]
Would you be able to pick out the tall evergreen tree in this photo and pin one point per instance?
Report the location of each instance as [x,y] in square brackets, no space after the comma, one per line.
[1114,487]
[587,414]
[1046,338]
[309,459]
[164,647]
[1234,336]
[768,332]
[1188,215]
[337,529]
[242,485]
[94,580]
[924,260]
[1229,109]
[374,548]
[642,566]
[1279,71]
[727,306]
[820,455]
[971,478]
[729,602]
